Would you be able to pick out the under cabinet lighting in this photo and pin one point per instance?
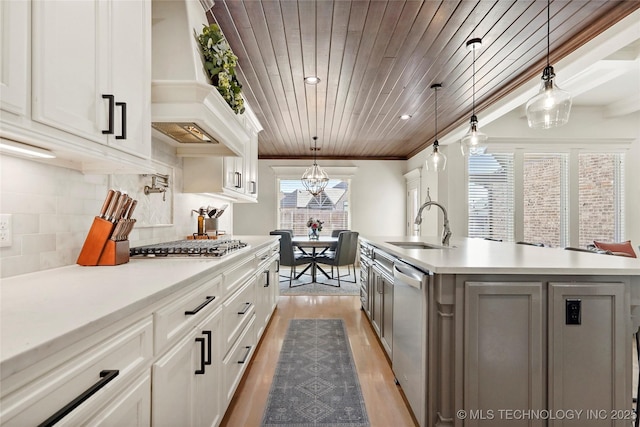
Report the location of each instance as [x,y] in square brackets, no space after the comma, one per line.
[405,117]
[25,150]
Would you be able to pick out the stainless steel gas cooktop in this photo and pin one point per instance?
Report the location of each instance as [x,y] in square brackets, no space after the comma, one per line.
[189,248]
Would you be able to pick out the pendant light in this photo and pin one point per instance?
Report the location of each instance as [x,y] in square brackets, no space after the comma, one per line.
[436,160]
[474,142]
[314,178]
[552,105]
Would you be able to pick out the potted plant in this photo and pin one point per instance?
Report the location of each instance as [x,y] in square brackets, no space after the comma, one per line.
[315,227]
[220,63]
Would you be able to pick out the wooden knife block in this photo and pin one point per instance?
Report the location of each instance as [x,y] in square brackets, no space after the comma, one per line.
[115,253]
[98,249]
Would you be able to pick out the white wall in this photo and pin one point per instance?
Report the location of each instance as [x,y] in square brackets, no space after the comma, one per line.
[53,208]
[377,198]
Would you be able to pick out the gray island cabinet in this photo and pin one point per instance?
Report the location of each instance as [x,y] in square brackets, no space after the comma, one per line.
[515,334]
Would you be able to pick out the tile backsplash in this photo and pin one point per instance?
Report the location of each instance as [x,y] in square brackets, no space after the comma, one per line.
[53,207]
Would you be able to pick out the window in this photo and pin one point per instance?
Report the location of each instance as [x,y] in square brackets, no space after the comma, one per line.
[545,195]
[491,199]
[597,203]
[600,197]
[297,205]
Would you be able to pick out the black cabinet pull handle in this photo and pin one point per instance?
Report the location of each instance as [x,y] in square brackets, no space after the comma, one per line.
[200,307]
[207,361]
[246,355]
[278,266]
[111,99]
[106,375]
[253,187]
[247,305]
[202,356]
[238,176]
[123,106]
[268,277]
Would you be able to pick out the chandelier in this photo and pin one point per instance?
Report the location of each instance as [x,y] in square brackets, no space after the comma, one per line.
[314,178]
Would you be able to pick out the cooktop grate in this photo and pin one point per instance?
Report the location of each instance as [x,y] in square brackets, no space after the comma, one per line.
[188,248]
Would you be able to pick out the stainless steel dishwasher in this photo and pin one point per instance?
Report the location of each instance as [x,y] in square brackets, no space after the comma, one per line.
[410,334]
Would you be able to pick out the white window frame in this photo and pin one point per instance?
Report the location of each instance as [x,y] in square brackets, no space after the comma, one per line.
[572,207]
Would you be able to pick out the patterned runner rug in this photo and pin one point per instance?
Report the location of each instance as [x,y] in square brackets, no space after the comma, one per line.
[315,384]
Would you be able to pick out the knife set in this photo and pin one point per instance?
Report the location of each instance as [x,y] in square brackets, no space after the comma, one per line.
[107,241]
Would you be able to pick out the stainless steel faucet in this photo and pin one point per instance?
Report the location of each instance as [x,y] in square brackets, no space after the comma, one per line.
[446,231]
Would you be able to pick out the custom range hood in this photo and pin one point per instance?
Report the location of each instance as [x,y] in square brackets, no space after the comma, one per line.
[186,110]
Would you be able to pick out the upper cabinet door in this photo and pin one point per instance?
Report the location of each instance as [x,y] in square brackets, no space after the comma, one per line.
[91,70]
[130,32]
[70,67]
[15,48]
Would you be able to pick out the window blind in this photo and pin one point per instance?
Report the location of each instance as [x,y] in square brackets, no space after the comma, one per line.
[491,196]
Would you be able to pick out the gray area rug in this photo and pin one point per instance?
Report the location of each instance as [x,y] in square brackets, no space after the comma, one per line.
[315,384]
[346,288]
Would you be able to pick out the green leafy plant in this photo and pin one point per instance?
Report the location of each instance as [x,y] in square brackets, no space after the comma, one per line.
[220,63]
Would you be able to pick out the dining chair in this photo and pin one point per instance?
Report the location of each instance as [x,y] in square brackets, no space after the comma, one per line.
[336,233]
[339,257]
[353,254]
[289,258]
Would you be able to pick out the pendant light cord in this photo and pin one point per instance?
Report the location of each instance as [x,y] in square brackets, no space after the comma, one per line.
[436,142]
[548,29]
[473,83]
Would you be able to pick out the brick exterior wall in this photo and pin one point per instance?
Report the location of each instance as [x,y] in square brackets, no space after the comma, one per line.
[597,197]
[542,195]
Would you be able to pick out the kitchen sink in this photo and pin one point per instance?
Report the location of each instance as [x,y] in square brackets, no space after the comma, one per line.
[418,245]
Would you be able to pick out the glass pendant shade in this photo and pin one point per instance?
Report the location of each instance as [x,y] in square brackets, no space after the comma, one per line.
[436,162]
[551,106]
[474,142]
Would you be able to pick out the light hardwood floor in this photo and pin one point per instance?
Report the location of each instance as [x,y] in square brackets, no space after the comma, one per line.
[383,400]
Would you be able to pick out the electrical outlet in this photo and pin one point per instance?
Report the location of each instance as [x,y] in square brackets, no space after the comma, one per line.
[573,312]
[6,235]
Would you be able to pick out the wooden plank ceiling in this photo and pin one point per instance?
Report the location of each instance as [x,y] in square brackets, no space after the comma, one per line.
[377,60]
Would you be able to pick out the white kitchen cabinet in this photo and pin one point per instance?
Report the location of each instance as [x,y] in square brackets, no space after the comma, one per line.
[91,71]
[186,379]
[234,177]
[266,288]
[236,361]
[132,407]
[28,399]
[15,49]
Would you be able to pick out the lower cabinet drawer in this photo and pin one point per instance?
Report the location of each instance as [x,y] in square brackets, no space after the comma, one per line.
[237,310]
[82,384]
[176,318]
[236,362]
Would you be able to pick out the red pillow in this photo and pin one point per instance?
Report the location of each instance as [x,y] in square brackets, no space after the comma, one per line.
[623,248]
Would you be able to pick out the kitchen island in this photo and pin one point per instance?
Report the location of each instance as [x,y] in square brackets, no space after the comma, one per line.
[512,334]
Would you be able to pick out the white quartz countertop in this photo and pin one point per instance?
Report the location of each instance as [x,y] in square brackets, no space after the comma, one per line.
[37,309]
[479,256]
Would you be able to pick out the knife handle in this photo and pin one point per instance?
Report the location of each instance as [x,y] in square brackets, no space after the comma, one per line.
[112,205]
[125,206]
[131,208]
[107,202]
[118,211]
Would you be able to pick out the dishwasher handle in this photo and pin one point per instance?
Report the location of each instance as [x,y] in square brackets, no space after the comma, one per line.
[405,274]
